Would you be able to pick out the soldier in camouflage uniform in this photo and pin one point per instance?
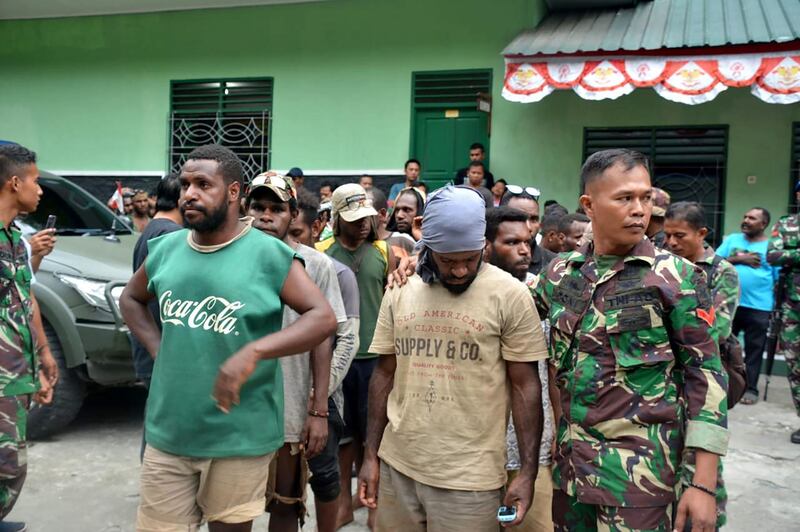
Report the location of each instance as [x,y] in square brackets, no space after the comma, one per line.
[655,229]
[685,232]
[784,251]
[636,364]
[21,333]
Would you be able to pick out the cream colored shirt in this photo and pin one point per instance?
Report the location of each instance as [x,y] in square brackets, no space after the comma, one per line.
[450,402]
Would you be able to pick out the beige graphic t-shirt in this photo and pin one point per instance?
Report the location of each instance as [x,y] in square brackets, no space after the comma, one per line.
[450,402]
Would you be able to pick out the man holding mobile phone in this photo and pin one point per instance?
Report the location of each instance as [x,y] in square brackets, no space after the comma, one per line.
[27,368]
[42,243]
[459,346]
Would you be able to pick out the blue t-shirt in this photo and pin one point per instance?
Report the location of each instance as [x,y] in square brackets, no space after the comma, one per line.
[756,283]
[395,190]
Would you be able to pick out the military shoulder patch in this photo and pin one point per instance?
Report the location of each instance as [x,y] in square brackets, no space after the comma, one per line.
[708,316]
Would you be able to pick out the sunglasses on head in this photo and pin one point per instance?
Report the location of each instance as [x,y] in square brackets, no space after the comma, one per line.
[530,191]
[275,180]
[357,200]
[282,182]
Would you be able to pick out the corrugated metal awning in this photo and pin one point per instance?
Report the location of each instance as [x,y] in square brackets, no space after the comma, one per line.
[660,25]
[687,50]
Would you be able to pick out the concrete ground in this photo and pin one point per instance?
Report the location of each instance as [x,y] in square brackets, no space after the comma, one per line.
[86,478]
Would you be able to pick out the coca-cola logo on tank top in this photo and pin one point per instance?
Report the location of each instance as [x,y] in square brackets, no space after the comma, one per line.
[212,313]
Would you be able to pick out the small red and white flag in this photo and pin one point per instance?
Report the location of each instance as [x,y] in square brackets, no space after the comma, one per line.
[116,202]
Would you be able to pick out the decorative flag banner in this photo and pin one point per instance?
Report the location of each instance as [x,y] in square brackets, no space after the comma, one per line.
[772,77]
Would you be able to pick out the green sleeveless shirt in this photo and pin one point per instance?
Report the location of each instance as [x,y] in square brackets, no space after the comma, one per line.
[370,263]
[211,305]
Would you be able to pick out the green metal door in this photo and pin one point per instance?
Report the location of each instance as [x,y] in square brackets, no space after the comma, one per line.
[442,139]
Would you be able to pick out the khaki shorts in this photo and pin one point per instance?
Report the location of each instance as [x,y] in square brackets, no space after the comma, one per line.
[410,506]
[179,493]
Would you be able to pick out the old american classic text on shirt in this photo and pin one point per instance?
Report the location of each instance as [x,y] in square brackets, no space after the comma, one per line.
[445,315]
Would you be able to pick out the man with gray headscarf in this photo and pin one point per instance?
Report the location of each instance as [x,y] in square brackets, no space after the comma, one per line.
[460,344]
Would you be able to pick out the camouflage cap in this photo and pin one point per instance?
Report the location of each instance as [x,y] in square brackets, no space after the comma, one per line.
[281,186]
[661,201]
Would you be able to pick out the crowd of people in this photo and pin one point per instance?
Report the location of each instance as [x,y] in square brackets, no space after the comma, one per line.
[480,361]
[136,207]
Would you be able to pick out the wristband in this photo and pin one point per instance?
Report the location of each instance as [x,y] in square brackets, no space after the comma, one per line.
[317,413]
[703,489]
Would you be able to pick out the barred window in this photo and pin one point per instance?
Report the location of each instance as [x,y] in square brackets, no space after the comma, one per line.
[235,113]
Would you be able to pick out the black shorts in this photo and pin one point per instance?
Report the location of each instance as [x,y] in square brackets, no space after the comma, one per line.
[356,395]
[325,478]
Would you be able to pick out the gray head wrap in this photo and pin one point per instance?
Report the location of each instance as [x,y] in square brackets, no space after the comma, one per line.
[454,222]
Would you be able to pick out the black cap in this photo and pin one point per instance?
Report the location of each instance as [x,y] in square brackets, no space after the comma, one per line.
[295,172]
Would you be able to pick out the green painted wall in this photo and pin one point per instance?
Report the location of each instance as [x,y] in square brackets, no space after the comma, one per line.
[92,94]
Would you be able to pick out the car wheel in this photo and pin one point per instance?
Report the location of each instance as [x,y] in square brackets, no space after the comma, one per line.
[67,399]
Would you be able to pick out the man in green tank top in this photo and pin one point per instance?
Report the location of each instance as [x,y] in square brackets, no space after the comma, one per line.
[355,244]
[215,409]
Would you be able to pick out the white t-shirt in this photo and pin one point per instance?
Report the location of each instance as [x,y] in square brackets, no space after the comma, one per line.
[296,368]
[450,402]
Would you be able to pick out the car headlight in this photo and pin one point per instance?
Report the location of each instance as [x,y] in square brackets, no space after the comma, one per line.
[94,292]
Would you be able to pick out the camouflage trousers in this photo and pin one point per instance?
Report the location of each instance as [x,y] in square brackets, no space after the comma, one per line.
[569,515]
[13,450]
[687,471]
[789,347]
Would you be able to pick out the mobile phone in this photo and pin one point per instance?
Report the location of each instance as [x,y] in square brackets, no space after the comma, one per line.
[506,514]
[51,222]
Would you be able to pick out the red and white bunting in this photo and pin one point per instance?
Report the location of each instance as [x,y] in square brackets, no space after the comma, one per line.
[774,78]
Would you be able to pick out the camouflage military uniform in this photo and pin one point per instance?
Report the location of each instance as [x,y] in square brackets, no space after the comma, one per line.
[723,281]
[784,251]
[660,240]
[18,380]
[640,378]
[661,200]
